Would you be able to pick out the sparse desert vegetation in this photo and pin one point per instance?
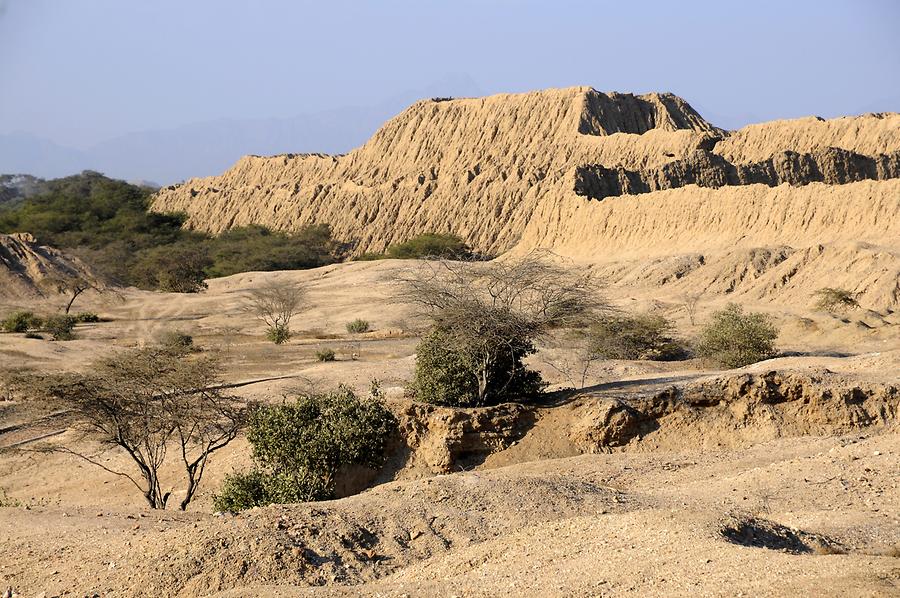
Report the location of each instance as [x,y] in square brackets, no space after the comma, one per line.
[358,326]
[485,321]
[550,420]
[299,448]
[833,300]
[275,305]
[733,338]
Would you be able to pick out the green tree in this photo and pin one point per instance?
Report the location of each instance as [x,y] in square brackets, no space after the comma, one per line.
[177,268]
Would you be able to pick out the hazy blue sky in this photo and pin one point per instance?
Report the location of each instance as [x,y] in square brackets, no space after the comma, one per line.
[78,72]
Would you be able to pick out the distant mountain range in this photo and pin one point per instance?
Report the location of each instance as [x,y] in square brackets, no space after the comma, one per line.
[209,148]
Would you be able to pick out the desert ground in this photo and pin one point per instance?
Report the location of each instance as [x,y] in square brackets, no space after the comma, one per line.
[786,485]
[781,478]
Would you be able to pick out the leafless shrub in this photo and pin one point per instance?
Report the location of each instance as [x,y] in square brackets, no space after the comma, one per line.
[575,357]
[275,304]
[145,402]
[690,301]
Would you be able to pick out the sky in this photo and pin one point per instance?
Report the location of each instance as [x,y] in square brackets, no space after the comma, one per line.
[78,72]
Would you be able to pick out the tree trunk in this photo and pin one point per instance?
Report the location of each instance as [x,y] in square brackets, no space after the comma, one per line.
[483,378]
[75,294]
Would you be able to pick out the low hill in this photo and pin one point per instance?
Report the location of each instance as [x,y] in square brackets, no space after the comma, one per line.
[25,267]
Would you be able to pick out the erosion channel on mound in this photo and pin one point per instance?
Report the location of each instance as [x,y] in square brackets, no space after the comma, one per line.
[524,171]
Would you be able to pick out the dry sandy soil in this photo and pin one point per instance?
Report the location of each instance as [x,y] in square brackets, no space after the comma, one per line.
[787,484]
[666,479]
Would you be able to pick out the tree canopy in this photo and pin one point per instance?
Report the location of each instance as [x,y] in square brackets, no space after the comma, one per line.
[108,224]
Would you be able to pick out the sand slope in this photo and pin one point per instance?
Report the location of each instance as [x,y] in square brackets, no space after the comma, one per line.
[25,266]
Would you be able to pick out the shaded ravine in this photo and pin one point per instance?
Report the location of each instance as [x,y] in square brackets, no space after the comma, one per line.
[830,165]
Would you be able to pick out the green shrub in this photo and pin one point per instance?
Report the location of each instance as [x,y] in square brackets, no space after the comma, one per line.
[370,257]
[642,336]
[325,354]
[298,448]
[6,501]
[358,326]
[21,321]
[241,491]
[87,317]
[447,375]
[60,327]
[176,341]
[430,245]
[835,300]
[734,339]
[278,334]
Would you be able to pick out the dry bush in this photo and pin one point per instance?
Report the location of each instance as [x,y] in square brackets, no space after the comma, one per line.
[639,336]
[275,303]
[573,356]
[145,402]
[176,341]
[325,354]
[834,300]
[690,302]
[485,319]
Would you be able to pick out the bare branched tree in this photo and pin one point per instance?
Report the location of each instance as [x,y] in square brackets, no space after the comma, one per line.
[275,304]
[147,402]
[71,286]
[690,301]
[575,358]
[491,311]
